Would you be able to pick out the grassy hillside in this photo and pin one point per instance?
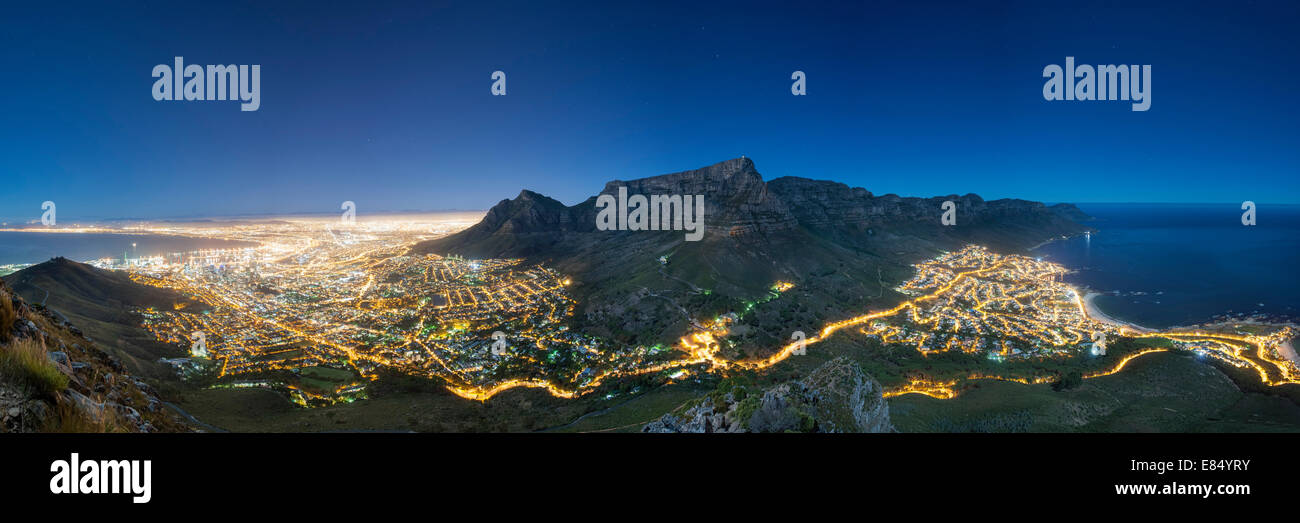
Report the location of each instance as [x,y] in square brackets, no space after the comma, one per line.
[1167,392]
[99,303]
[54,379]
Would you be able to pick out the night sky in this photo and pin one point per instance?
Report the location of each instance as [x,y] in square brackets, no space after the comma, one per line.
[390,106]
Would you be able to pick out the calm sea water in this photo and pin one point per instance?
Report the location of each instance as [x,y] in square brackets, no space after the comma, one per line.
[36,247]
[1176,264]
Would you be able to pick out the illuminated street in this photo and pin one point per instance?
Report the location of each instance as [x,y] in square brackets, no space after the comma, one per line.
[318,309]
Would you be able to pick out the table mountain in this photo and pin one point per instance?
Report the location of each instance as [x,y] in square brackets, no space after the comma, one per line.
[842,246]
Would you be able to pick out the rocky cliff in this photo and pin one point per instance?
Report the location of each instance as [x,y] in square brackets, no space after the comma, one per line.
[836,397]
[821,204]
[841,246]
[739,202]
[53,378]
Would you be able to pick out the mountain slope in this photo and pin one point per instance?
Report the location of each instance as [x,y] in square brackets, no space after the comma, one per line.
[99,303]
[843,247]
[53,378]
[835,397]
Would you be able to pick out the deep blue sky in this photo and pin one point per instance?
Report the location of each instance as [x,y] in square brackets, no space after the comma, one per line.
[389,106]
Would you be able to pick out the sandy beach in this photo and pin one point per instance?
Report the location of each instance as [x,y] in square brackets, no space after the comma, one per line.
[1288,350]
[1095,313]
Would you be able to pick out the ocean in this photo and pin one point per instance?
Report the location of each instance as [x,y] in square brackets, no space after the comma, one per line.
[36,247]
[1180,264]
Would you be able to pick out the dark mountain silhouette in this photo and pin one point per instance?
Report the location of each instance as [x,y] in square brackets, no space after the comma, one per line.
[100,303]
[55,378]
[841,245]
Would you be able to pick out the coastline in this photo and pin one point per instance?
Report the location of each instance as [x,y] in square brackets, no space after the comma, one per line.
[1287,349]
[1095,312]
[1045,242]
[55,244]
[1059,238]
[1089,297]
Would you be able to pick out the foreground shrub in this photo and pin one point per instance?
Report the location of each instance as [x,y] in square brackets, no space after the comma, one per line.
[26,363]
[7,315]
[69,418]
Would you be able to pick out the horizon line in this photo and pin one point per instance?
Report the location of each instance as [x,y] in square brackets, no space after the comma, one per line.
[200,217]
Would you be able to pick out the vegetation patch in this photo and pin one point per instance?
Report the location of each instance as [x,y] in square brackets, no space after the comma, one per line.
[26,362]
[7,315]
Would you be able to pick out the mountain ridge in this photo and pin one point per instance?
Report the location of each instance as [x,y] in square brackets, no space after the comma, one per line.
[738,202]
[822,235]
[54,377]
[100,302]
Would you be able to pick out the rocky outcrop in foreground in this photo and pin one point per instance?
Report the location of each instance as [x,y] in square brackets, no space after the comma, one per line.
[836,397]
[53,378]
